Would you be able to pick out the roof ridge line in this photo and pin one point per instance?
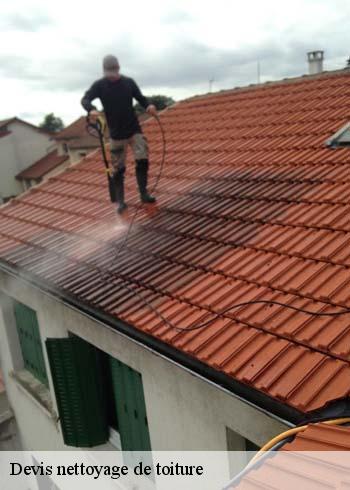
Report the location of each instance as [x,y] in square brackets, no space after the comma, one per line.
[256,86]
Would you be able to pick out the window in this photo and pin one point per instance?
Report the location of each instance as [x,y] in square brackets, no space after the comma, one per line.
[236,442]
[27,184]
[111,410]
[130,407]
[250,446]
[251,449]
[30,341]
[96,393]
[341,138]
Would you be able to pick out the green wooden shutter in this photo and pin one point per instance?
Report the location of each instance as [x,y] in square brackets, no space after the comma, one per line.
[30,341]
[76,376]
[131,408]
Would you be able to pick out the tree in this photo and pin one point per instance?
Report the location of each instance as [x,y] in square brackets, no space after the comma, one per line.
[160,101]
[52,123]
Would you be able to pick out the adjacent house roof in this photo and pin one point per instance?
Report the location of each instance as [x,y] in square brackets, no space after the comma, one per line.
[42,166]
[76,135]
[143,116]
[5,122]
[251,205]
[4,133]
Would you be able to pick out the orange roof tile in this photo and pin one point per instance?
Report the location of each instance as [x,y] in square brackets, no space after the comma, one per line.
[289,467]
[321,437]
[251,205]
[42,166]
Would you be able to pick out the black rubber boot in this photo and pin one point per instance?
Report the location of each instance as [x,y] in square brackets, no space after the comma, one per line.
[118,178]
[141,177]
[122,207]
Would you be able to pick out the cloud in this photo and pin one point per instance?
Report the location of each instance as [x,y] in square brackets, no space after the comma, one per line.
[174,50]
[177,17]
[30,21]
[185,64]
[19,67]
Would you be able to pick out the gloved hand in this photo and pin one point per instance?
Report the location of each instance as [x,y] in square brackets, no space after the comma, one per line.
[93,115]
[152,110]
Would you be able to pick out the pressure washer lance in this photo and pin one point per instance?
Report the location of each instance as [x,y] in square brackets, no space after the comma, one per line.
[98,128]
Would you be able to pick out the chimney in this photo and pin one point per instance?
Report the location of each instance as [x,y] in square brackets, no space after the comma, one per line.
[315,59]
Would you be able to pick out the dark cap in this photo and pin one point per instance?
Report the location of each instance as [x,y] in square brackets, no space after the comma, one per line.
[110,63]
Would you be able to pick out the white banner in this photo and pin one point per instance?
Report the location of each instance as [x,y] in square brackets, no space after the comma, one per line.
[173,470]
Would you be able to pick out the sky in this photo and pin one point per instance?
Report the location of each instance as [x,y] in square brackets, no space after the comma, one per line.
[51,52]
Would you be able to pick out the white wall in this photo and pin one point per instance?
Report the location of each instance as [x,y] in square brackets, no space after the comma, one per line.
[184,412]
[57,170]
[18,150]
[8,167]
[74,154]
[30,144]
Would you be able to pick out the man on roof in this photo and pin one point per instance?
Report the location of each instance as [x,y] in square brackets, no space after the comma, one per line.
[116,93]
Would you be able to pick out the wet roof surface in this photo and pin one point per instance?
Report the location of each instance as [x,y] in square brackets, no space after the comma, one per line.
[251,205]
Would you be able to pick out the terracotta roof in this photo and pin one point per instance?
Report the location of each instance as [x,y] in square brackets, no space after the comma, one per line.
[144,116]
[76,135]
[317,467]
[42,166]
[321,437]
[251,205]
[74,130]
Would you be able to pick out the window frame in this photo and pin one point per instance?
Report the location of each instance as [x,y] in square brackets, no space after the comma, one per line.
[29,336]
[131,431]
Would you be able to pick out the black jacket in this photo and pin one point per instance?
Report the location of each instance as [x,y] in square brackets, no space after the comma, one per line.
[117,97]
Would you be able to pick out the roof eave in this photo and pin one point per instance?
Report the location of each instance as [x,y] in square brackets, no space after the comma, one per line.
[259,400]
[29,177]
[65,138]
[26,123]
